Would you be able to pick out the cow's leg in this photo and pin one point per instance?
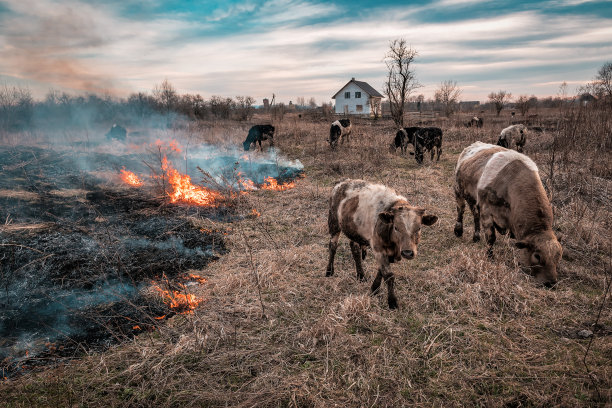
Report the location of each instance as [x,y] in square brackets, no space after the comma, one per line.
[385,273]
[333,246]
[356,251]
[433,152]
[476,213]
[489,228]
[334,232]
[460,210]
[439,153]
[391,299]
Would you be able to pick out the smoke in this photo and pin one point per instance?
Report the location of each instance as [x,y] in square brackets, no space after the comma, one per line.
[47,42]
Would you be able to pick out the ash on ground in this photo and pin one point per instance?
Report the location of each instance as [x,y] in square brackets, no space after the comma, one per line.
[76,253]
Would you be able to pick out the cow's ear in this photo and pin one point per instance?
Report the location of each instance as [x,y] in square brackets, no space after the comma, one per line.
[429,219]
[522,245]
[386,217]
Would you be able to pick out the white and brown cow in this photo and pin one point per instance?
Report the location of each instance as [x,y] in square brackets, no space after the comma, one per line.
[513,137]
[504,192]
[375,216]
[339,130]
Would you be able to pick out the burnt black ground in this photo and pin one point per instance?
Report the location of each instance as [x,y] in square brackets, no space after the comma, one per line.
[76,281]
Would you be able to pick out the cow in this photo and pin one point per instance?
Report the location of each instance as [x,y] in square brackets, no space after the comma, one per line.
[513,136]
[505,193]
[116,132]
[428,138]
[372,215]
[403,138]
[257,134]
[339,130]
[475,122]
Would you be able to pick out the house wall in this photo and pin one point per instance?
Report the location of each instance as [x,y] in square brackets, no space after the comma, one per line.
[352,102]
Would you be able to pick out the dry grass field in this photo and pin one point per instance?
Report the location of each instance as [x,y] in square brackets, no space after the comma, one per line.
[470,331]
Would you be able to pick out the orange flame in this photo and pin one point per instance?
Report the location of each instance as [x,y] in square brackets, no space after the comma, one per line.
[270,183]
[184,191]
[183,303]
[130,178]
[195,278]
[246,184]
[255,213]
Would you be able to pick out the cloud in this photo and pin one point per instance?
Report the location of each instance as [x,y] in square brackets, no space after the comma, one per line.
[294,48]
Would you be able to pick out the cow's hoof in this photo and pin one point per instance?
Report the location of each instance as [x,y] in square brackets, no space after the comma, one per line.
[392,303]
[476,238]
[329,272]
[362,278]
[458,230]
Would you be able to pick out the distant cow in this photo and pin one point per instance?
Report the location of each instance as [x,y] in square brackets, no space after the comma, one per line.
[403,138]
[375,216]
[428,138]
[116,132]
[474,122]
[504,192]
[257,134]
[513,136]
[339,130]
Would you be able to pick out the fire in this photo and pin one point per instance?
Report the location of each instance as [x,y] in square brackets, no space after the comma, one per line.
[255,213]
[195,278]
[130,178]
[183,303]
[246,184]
[184,191]
[272,184]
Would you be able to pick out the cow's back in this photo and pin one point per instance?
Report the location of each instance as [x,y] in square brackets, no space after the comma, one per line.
[355,205]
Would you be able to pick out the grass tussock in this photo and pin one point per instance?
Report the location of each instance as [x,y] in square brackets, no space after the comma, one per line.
[274,331]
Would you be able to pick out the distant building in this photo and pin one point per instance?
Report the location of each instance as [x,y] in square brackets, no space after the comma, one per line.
[466,106]
[357,98]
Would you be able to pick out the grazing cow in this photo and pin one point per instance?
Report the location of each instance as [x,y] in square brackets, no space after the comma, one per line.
[375,216]
[513,136]
[257,134]
[474,122]
[504,192]
[339,130]
[403,138]
[429,138]
[116,132]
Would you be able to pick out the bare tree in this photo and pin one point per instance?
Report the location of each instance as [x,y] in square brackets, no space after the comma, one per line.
[499,99]
[166,95]
[448,95]
[524,103]
[401,81]
[244,107]
[312,103]
[604,79]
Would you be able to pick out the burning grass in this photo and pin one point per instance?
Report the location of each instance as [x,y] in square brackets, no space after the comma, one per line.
[275,332]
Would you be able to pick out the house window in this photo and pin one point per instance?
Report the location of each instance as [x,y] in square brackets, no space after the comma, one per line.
[347,95]
[357,95]
[359,108]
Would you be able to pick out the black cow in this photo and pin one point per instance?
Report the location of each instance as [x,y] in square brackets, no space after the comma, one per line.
[116,132]
[429,138]
[475,122]
[257,134]
[339,129]
[403,138]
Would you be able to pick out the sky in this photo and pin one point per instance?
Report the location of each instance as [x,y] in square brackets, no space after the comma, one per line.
[300,48]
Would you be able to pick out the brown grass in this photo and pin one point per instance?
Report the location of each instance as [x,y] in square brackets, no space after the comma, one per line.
[274,331]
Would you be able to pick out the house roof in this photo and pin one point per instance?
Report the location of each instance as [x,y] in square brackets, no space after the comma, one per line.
[367,88]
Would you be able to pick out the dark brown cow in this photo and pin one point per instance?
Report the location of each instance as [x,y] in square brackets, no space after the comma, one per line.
[504,192]
[257,134]
[339,130]
[375,216]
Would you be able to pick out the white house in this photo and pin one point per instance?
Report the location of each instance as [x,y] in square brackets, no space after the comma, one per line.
[357,98]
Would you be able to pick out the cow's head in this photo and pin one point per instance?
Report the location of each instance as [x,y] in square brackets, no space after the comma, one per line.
[398,231]
[246,145]
[540,254]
